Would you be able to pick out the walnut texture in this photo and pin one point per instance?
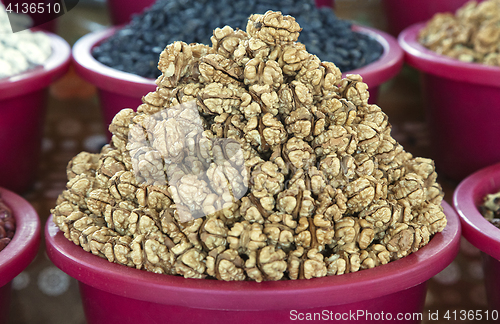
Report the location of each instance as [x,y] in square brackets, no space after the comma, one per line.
[472,34]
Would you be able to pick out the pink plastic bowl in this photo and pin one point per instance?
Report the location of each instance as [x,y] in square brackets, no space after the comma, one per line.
[462,102]
[386,67]
[477,230]
[113,293]
[403,13]
[118,90]
[23,248]
[22,113]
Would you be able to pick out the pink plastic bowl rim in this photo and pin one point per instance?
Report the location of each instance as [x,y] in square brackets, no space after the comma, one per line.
[23,248]
[248,295]
[467,197]
[387,66]
[41,76]
[109,79]
[430,62]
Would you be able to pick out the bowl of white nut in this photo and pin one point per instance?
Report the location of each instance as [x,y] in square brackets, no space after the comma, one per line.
[29,63]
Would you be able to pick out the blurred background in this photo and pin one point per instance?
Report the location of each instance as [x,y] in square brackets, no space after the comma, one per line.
[44,294]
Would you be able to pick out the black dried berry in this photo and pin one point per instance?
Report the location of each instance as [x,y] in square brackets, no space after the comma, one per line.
[193,21]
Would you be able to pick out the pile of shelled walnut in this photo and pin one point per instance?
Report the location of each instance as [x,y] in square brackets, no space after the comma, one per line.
[472,34]
[253,160]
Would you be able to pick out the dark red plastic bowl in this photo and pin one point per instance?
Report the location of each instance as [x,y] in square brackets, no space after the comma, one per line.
[462,102]
[41,20]
[467,197]
[118,90]
[22,112]
[121,11]
[113,293]
[23,248]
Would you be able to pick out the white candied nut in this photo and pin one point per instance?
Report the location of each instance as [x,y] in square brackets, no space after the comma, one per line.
[6,69]
[16,59]
[22,50]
